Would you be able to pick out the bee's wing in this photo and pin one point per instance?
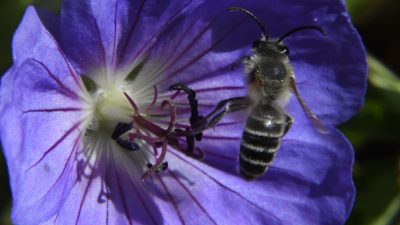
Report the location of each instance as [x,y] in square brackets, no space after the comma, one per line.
[318,125]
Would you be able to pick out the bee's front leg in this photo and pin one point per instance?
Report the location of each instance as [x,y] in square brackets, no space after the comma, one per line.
[199,123]
[195,119]
[228,105]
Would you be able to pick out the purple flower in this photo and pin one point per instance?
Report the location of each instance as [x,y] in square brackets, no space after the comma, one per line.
[64,95]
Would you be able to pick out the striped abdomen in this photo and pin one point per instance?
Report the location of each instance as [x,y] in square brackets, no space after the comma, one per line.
[261,138]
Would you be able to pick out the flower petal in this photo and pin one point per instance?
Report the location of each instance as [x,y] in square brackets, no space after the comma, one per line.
[42,122]
[121,201]
[116,32]
[186,53]
[27,38]
[44,156]
[297,187]
[330,70]
[311,162]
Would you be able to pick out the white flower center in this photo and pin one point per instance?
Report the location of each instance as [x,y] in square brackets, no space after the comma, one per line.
[108,107]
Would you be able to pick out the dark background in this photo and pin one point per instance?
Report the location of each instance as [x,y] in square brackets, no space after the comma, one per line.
[374,132]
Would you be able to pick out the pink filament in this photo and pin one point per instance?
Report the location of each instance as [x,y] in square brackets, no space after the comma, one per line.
[162,134]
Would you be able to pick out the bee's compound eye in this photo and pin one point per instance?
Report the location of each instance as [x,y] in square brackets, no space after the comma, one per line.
[256,44]
[283,49]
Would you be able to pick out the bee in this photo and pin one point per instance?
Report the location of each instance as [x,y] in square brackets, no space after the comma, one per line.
[270,80]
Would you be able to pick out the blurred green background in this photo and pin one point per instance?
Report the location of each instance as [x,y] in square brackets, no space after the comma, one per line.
[374,132]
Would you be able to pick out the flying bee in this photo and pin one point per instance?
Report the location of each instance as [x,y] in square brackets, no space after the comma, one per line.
[270,79]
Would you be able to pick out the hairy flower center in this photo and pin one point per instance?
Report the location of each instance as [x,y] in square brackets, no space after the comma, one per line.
[112,107]
[109,106]
[112,104]
[134,124]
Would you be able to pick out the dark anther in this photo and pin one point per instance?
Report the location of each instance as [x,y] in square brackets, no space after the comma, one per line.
[127,144]
[162,167]
[120,129]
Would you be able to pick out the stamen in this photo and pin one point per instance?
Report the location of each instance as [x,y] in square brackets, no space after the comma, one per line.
[159,161]
[172,115]
[133,104]
[138,135]
[163,166]
[155,96]
[155,136]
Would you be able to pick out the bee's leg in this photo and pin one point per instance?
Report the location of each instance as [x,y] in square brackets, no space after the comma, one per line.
[289,122]
[195,119]
[119,130]
[228,105]
[199,123]
[191,150]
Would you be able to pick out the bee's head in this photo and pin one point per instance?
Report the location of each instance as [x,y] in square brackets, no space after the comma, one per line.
[268,68]
[273,48]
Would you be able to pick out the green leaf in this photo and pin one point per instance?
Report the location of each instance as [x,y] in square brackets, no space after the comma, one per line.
[391,214]
[382,77]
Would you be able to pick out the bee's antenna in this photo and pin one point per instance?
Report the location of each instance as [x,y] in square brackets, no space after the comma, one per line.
[302,28]
[264,32]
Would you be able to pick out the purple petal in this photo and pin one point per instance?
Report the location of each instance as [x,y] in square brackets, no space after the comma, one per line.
[27,38]
[116,32]
[42,121]
[298,187]
[121,202]
[187,54]
[309,164]
[84,36]
[43,157]
[330,70]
